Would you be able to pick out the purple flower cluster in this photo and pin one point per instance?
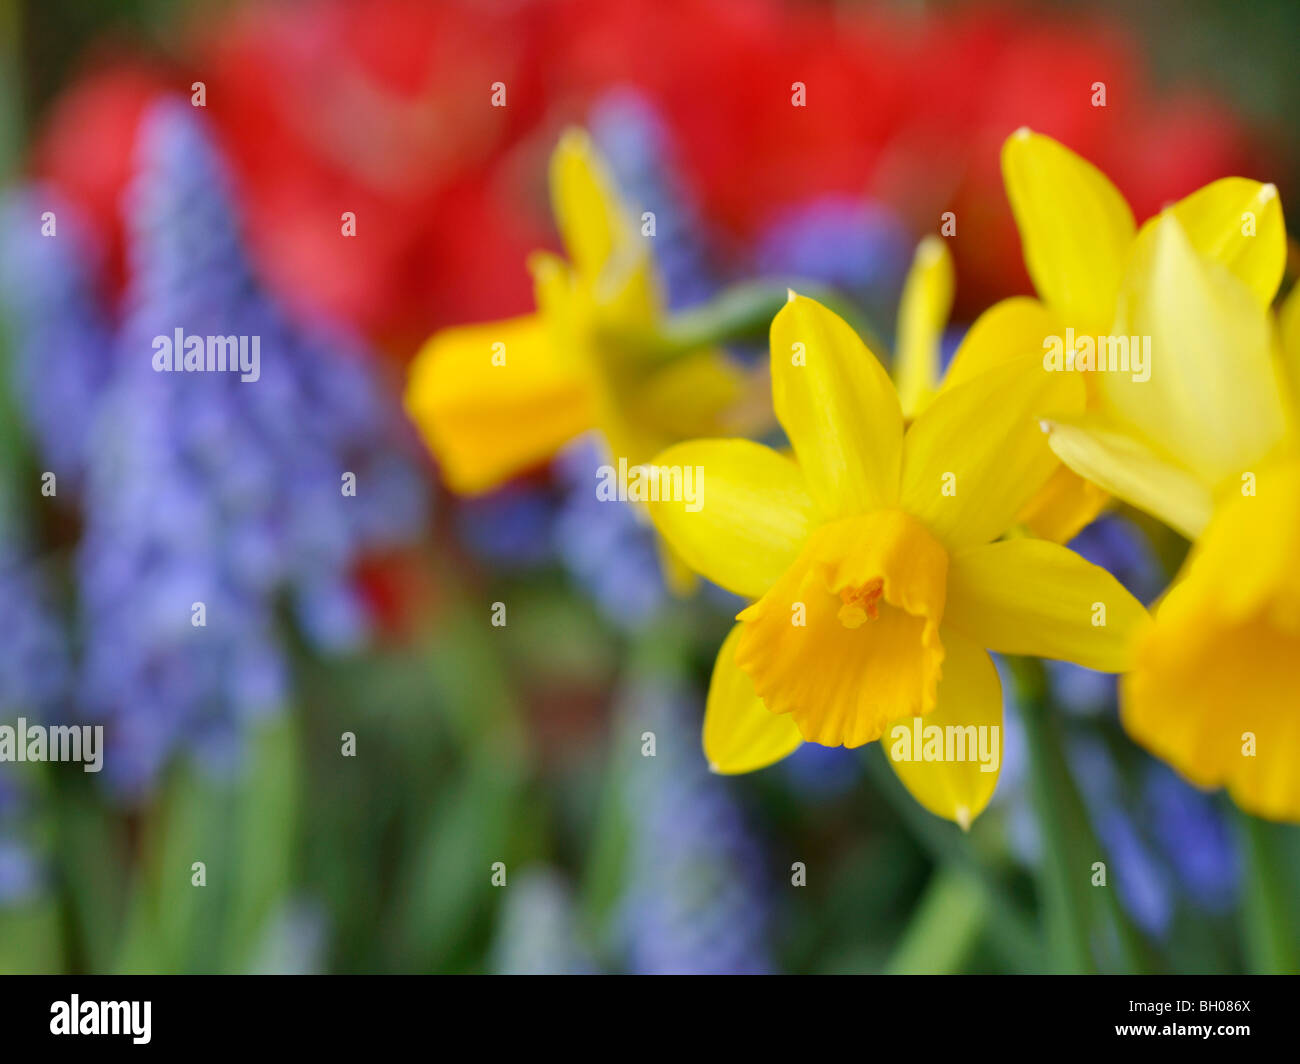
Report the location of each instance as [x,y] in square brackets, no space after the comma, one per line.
[62,340]
[213,507]
[33,677]
[849,244]
[640,150]
[20,872]
[697,900]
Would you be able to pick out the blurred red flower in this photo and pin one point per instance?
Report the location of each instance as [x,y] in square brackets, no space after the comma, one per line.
[910,108]
[382,108]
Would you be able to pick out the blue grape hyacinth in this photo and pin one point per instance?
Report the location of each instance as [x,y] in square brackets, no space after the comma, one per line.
[213,501]
[610,548]
[34,675]
[21,875]
[698,900]
[62,355]
[635,139]
[846,243]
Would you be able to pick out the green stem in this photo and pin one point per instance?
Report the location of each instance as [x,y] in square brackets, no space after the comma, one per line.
[1270,935]
[946,925]
[1070,847]
[1063,876]
[1011,933]
[741,313]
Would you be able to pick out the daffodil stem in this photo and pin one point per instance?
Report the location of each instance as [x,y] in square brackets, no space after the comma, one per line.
[743,313]
[1269,929]
[1071,850]
[1064,877]
[1009,931]
[945,927]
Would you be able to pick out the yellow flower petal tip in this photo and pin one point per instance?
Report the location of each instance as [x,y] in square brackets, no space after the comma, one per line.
[574,138]
[791,295]
[1023,133]
[963,817]
[930,249]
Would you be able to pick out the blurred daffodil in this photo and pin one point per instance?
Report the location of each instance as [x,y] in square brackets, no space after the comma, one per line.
[870,556]
[1208,444]
[495,399]
[1080,241]
[1215,681]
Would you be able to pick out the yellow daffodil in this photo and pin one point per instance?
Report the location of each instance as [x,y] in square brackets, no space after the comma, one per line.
[1215,685]
[1079,238]
[878,588]
[495,399]
[1208,444]
[1213,406]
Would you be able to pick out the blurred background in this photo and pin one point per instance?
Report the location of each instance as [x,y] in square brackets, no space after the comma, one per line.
[373,775]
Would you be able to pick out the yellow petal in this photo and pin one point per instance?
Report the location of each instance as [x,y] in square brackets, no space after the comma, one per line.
[1238,223]
[922,316]
[1213,689]
[740,733]
[493,400]
[1063,507]
[1213,397]
[1121,462]
[977,454]
[839,408]
[1074,225]
[1006,331]
[848,639]
[593,222]
[1028,596]
[968,715]
[611,258]
[746,518]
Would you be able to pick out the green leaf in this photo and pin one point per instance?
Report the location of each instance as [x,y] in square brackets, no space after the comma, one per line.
[243,831]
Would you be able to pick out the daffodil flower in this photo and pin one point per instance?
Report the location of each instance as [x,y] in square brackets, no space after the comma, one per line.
[1209,445]
[1079,240]
[877,586]
[1215,684]
[493,400]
